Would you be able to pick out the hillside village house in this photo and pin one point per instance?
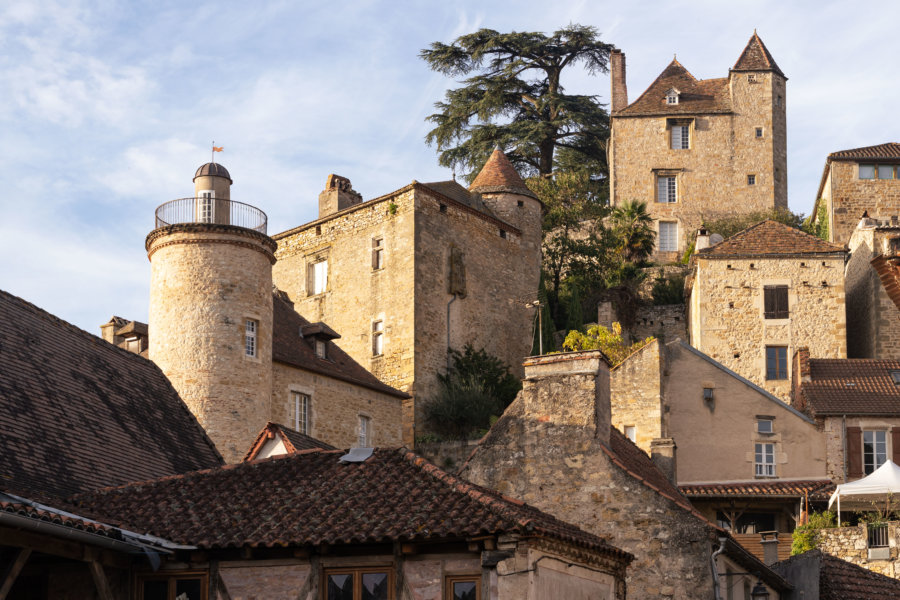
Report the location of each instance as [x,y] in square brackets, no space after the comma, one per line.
[857,181]
[699,149]
[756,297]
[408,275]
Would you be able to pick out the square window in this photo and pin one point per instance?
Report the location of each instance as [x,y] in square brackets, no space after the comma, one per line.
[377,338]
[775,302]
[359,584]
[885,171]
[364,432]
[874,450]
[299,416]
[377,254]
[765,460]
[680,137]
[708,394]
[759,132]
[250,332]
[666,189]
[463,587]
[764,426]
[776,362]
[668,236]
[867,171]
[751,179]
[317,277]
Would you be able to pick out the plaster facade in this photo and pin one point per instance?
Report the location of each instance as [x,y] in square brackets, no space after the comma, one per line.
[873,320]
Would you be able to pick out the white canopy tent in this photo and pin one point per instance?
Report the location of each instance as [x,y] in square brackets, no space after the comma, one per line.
[883,484]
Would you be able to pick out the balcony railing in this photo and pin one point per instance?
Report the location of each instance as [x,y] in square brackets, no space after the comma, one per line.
[211,210]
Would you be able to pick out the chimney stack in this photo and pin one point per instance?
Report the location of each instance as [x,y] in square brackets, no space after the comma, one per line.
[800,375]
[337,195]
[662,453]
[769,543]
[702,239]
[619,92]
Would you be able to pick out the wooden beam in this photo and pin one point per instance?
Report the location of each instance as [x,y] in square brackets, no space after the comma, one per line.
[54,546]
[13,572]
[100,581]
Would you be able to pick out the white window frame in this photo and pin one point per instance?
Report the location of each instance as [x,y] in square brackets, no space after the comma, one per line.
[364,431]
[321,348]
[671,243]
[680,137]
[672,98]
[317,275]
[206,206]
[378,338]
[666,189]
[251,337]
[764,459]
[878,439]
[299,415]
[765,424]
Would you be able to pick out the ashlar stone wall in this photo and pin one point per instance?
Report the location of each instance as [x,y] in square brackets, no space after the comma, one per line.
[848,197]
[636,395]
[335,406]
[873,320]
[851,544]
[549,449]
[727,320]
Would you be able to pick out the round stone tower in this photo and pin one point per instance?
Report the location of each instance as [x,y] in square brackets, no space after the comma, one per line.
[211,308]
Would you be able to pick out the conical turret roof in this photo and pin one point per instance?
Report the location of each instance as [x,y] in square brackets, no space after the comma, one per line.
[756,57]
[498,175]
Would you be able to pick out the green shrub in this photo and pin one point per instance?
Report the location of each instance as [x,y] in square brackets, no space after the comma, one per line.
[806,537]
[668,290]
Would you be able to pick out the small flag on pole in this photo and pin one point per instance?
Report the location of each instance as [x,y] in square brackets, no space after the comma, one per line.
[218,148]
[214,150]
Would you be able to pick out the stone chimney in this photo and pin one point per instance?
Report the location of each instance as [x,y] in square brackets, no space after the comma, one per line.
[769,541]
[702,239]
[337,195]
[800,375]
[662,453]
[569,389]
[619,92]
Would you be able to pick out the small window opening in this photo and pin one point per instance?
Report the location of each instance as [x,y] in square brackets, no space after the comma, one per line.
[752,266]
[802,264]
[751,179]
[764,426]
[503,233]
[824,284]
[377,338]
[443,208]
[708,394]
[318,230]
[895,377]
[520,203]
[731,305]
[737,354]
[759,132]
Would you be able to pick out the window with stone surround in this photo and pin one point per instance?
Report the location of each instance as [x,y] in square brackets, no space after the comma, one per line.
[680,137]
[666,189]
[751,179]
[764,460]
[172,586]
[631,432]
[776,362]
[775,302]
[765,425]
[377,253]
[299,412]
[364,432]
[317,276]
[759,132]
[251,330]
[874,450]
[462,587]
[370,583]
[377,338]
[668,236]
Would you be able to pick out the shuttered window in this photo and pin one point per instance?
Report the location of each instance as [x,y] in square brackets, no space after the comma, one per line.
[775,298]
[854,453]
[874,450]
[668,236]
[666,189]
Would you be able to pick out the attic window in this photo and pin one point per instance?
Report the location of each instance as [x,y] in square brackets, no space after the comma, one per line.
[321,349]
[895,377]
[503,233]
[443,208]
[672,97]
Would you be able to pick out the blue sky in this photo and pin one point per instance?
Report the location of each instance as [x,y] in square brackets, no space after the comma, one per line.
[107,108]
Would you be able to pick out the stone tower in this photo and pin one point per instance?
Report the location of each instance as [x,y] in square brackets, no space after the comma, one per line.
[211,308]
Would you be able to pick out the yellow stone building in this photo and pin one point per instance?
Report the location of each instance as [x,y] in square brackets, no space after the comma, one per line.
[410,274]
[696,149]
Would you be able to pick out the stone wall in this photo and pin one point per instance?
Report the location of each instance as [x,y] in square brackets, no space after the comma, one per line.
[851,544]
[873,320]
[712,173]
[834,428]
[335,406]
[636,395]
[550,450]
[727,320]
[848,197]
[666,322]
[447,455]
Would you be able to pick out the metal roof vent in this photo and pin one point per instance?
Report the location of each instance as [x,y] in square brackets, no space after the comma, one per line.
[357,455]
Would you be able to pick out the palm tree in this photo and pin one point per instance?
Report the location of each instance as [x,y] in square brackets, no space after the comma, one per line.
[633,227]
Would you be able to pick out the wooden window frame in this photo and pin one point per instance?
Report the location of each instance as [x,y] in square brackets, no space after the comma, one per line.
[777,374]
[172,577]
[875,453]
[449,580]
[357,573]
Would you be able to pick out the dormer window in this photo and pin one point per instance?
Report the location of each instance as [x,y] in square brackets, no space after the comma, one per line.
[895,377]
[672,96]
[318,335]
[321,349]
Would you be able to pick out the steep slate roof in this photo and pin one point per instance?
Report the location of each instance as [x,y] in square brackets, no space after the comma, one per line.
[889,274]
[841,580]
[498,175]
[887,151]
[756,57]
[77,413]
[313,498]
[852,386]
[294,441]
[702,96]
[289,348]
[770,238]
[818,489]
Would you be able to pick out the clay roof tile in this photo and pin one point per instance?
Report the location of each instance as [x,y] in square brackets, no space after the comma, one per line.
[770,238]
[498,175]
[756,57]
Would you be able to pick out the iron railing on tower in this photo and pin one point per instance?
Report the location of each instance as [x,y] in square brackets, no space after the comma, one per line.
[211,210]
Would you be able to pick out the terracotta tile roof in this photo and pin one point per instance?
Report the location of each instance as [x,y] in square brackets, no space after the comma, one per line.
[756,57]
[841,580]
[498,175]
[817,488]
[313,498]
[770,238]
[852,386]
[696,96]
[289,348]
[889,274]
[294,441]
[77,413]
[887,151]
[47,514]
